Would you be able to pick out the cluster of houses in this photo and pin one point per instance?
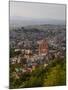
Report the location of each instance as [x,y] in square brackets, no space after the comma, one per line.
[29,60]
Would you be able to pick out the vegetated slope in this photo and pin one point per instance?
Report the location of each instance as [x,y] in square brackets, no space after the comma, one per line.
[53,75]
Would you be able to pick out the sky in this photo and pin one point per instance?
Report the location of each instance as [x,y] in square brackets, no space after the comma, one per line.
[29,13]
[37,10]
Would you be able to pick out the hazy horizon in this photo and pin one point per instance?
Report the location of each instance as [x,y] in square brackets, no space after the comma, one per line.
[28,13]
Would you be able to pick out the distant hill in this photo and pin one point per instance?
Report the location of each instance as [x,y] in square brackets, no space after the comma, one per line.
[19,22]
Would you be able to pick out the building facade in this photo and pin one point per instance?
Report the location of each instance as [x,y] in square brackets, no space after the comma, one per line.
[42,47]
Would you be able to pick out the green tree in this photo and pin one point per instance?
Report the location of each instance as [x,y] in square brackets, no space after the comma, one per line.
[56,76]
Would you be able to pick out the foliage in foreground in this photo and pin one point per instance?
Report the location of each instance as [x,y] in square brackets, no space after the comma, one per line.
[54,74]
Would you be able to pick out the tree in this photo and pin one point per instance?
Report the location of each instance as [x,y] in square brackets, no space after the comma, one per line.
[56,76]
